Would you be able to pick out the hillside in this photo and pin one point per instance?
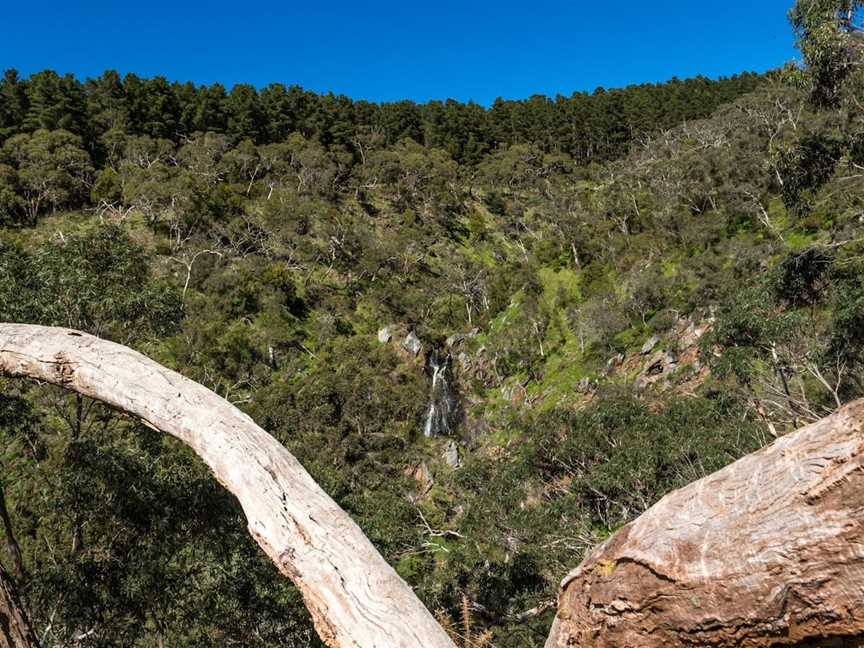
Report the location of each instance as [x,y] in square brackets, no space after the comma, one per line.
[492,335]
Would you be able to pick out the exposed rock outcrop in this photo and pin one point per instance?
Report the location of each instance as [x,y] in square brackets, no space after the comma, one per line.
[658,367]
[649,345]
[451,455]
[767,552]
[385,334]
[412,343]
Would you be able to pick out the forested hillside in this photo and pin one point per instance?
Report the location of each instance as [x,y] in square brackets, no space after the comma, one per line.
[492,335]
[106,110]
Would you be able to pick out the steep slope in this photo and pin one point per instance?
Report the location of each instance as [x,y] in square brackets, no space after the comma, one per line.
[608,330]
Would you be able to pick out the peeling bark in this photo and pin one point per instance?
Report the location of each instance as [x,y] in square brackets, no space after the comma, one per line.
[15,628]
[768,551]
[355,598]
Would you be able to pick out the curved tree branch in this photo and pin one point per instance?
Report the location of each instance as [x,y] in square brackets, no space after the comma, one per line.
[355,598]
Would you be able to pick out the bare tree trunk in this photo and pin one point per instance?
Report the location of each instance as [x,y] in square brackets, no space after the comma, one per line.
[768,551]
[355,598]
[15,628]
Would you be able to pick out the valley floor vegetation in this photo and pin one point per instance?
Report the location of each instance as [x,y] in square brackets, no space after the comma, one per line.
[628,290]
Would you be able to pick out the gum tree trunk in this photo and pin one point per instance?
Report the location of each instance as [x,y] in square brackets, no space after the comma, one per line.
[768,551]
[15,628]
[355,598]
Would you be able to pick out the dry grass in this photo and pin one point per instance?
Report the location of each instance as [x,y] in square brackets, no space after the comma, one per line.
[466,635]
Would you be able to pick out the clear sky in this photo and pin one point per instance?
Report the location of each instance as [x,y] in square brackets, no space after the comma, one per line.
[473,49]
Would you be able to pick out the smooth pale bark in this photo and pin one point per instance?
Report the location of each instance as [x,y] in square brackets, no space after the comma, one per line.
[15,628]
[355,598]
[768,551]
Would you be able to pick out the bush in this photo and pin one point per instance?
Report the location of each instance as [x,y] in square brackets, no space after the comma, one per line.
[622,457]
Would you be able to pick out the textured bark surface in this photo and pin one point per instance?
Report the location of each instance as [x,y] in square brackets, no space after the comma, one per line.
[768,551]
[355,598]
[15,628]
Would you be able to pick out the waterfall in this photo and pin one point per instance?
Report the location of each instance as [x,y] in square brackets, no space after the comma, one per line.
[442,401]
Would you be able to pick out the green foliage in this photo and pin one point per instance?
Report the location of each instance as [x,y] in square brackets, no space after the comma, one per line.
[495,203]
[98,283]
[847,326]
[803,277]
[746,330]
[619,457]
[51,170]
[804,169]
[107,187]
[825,30]
[585,127]
[260,241]
[160,536]
[12,205]
[358,399]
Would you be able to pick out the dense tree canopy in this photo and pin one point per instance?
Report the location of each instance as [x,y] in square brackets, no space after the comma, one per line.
[828,38]
[586,126]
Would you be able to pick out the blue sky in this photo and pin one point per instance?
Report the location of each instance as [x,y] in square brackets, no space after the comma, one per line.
[410,49]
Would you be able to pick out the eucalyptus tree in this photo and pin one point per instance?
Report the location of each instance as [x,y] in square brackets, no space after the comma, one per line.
[829,37]
[52,169]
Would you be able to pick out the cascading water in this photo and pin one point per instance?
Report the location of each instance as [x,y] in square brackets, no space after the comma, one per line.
[442,401]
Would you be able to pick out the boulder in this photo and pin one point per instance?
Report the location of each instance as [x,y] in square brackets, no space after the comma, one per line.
[658,366]
[453,340]
[768,551]
[451,455]
[649,345]
[412,344]
[464,361]
[422,475]
[385,335]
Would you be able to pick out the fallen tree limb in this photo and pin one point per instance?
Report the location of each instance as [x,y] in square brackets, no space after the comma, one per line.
[768,551]
[355,598]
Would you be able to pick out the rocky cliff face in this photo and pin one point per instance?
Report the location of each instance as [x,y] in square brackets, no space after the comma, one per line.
[766,552]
